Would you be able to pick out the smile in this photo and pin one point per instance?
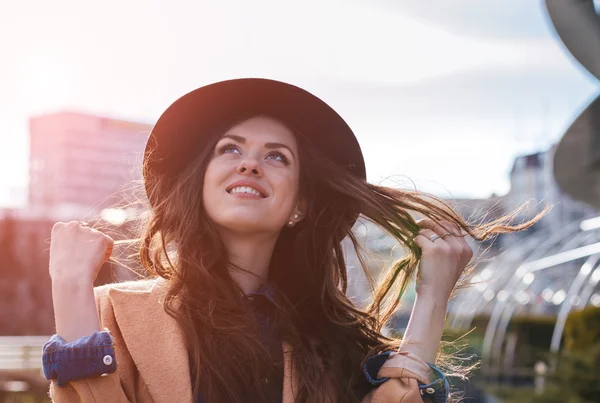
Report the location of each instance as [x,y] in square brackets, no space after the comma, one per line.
[245,190]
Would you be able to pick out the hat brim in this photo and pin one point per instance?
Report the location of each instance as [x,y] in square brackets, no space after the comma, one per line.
[184,128]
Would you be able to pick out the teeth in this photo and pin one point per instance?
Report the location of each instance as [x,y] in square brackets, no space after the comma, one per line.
[245,189]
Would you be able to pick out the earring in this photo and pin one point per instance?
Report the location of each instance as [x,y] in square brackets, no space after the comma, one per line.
[291,223]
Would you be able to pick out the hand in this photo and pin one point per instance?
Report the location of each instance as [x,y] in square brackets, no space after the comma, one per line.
[77,252]
[443,260]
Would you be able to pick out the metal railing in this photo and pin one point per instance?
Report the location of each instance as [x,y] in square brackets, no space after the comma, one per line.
[21,353]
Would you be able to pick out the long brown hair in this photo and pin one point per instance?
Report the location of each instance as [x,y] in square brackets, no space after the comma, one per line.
[330,336]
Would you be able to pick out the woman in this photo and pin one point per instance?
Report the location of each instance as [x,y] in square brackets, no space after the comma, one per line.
[253,184]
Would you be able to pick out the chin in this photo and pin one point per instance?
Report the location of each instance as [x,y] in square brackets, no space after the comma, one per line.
[247,225]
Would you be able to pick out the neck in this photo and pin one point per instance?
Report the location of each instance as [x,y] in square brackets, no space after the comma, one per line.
[252,253]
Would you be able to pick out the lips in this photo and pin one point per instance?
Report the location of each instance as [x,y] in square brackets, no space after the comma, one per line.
[246,187]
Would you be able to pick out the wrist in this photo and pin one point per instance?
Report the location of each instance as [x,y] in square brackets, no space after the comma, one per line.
[433,294]
[431,304]
[75,310]
[69,284]
[425,327]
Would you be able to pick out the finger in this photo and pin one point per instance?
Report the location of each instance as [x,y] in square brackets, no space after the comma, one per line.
[446,232]
[451,230]
[434,226]
[429,247]
[73,224]
[458,242]
[423,242]
[108,254]
[109,248]
[432,236]
[58,227]
[430,242]
[455,230]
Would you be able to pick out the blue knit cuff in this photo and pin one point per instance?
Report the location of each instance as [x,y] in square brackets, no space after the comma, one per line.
[436,391]
[85,357]
[372,367]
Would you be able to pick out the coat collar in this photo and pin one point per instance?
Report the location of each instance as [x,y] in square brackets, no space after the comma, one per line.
[157,345]
[153,339]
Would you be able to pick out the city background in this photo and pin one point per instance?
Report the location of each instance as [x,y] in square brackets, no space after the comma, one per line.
[487,104]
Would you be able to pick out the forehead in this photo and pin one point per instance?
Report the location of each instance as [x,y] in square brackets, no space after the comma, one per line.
[264,129]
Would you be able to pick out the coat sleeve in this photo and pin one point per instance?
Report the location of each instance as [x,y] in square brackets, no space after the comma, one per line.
[403,378]
[105,389]
[101,389]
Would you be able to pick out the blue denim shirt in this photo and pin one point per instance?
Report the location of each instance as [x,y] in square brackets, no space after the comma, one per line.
[94,355]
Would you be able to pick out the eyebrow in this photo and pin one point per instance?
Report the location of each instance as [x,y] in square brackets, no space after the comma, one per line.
[242,140]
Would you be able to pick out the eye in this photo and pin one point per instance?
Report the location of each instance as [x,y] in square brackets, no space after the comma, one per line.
[229,148]
[277,156]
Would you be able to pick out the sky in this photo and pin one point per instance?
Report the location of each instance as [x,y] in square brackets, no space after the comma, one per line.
[441,95]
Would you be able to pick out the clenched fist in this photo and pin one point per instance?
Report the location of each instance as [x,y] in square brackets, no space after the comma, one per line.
[446,254]
[77,252]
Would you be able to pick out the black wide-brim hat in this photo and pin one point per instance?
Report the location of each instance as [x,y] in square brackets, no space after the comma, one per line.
[186,126]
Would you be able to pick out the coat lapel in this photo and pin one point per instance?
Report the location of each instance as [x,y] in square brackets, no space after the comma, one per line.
[154,341]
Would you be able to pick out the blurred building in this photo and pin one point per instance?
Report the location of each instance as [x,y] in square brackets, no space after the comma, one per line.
[83,163]
[25,288]
[532,180]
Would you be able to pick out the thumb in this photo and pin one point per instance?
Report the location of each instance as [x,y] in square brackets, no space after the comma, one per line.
[108,253]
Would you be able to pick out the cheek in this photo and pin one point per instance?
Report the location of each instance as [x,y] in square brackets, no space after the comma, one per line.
[288,189]
[215,174]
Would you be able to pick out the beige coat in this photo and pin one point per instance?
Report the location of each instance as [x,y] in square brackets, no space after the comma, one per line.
[152,362]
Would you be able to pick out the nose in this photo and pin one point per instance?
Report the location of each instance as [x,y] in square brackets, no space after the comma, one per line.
[249,167]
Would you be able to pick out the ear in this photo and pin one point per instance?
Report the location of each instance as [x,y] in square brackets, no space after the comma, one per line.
[299,212]
[301,209]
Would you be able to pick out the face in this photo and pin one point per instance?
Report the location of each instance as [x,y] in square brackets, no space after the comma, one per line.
[251,183]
